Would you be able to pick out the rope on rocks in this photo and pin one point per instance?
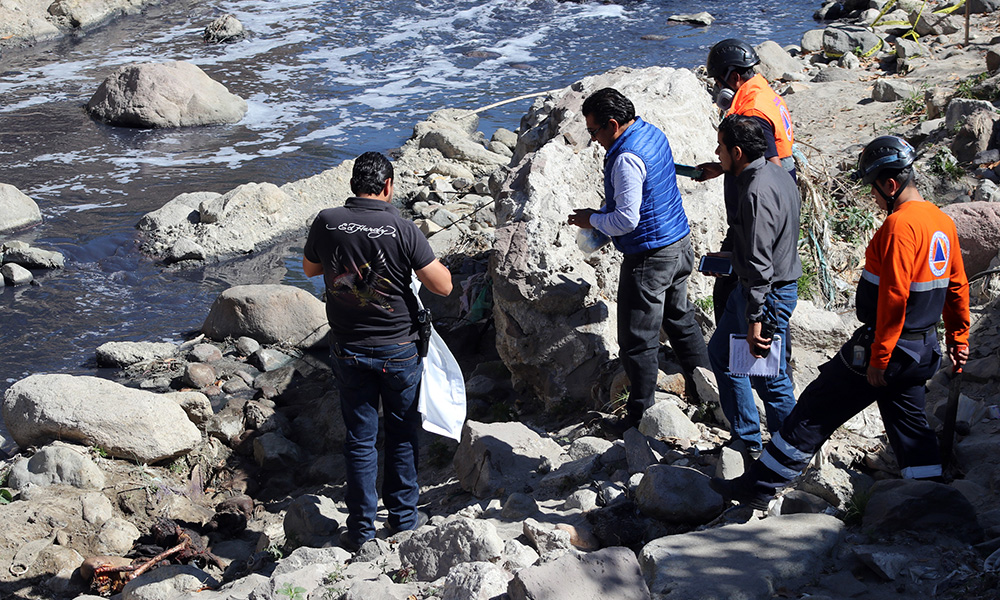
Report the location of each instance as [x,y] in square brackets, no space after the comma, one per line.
[509,100]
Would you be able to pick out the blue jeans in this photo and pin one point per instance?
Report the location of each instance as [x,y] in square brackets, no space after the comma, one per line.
[736,392]
[364,375]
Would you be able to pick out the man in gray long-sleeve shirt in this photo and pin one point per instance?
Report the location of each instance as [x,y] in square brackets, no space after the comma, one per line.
[765,231]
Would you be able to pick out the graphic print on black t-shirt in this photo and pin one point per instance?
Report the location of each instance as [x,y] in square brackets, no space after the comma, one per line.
[360,285]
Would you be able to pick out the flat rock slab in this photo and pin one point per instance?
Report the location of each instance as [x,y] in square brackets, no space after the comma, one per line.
[738,562]
[602,575]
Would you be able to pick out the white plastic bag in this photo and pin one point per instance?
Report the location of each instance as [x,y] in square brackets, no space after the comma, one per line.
[442,386]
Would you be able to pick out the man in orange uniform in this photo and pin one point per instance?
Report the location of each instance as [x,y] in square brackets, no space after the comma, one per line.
[731,63]
[913,276]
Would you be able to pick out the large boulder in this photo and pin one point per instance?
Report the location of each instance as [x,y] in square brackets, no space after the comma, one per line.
[173,94]
[493,458]
[815,328]
[678,495]
[16,209]
[435,551]
[57,463]
[270,314]
[83,13]
[126,423]
[921,506]
[978,225]
[608,573]
[25,23]
[759,557]
[453,133]
[775,62]
[554,320]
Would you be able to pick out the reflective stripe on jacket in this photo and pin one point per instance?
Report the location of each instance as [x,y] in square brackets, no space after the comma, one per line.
[755,98]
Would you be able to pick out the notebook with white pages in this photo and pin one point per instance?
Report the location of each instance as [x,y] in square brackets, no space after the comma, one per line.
[742,363]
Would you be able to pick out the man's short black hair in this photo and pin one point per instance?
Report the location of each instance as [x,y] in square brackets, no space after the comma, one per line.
[904,177]
[608,103]
[371,170]
[743,132]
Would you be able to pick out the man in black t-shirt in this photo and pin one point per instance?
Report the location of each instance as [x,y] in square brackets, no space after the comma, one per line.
[366,253]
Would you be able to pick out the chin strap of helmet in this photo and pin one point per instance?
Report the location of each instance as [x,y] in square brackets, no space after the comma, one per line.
[890,203]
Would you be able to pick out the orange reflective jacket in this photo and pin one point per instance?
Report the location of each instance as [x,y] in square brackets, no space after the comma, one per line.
[913,274]
[756,99]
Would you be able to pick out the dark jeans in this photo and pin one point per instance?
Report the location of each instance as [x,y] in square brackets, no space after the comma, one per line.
[364,375]
[652,293]
[839,393]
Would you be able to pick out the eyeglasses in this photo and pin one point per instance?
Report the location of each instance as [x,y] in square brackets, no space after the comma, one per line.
[593,132]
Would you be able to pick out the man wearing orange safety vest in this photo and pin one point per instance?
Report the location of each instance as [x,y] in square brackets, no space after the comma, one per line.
[742,92]
[913,277]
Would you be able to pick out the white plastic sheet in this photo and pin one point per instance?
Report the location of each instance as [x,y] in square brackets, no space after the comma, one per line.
[442,388]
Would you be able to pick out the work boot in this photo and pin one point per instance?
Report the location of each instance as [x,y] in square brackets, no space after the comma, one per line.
[742,490]
[617,426]
[422,519]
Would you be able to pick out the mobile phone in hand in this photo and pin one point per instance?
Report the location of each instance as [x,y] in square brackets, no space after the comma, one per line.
[719,265]
[688,171]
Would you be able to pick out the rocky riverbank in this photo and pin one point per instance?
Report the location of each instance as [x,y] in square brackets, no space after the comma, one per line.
[237,436]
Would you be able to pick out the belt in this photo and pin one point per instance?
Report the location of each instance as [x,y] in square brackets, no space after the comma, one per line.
[915,335]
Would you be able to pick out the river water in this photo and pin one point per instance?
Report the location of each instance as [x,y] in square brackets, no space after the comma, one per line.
[324,81]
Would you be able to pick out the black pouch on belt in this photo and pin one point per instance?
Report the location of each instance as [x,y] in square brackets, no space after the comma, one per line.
[860,347]
[424,331]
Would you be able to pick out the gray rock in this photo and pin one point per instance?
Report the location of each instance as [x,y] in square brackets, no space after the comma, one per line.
[183,209]
[127,423]
[885,563]
[993,59]
[226,29]
[936,100]
[474,581]
[795,502]
[545,539]
[16,209]
[936,24]
[204,353]
[601,575]
[892,90]
[571,474]
[553,320]
[812,40]
[583,500]
[834,484]
[184,248]
[849,61]
[493,457]
[450,132]
[701,18]
[270,314]
[168,582]
[588,446]
[246,346]
[273,451]
[829,74]
[907,48]
[978,225]
[116,537]
[499,148]
[732,462]
[88,14]
[775,61]
[815,328]
[960,109]
[311,520]
[15,275]
[505,136]
[380,589]
[677,495]
[57,463]
[983,6]
[924,506]
[454,169]
[198,375]
[173,94]
[517,556]
[32,258]
[196,405]
[667,420]
[975,136]
[268,360]
[126,354]
[434,552]
[518,506]
[95,508]
[637,451]
[841,40]
[986,192]
[761,556]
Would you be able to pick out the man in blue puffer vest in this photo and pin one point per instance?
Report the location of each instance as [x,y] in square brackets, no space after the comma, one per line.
[644,216]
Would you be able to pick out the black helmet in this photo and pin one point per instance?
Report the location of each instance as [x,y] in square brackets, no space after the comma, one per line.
[728,55]
[884,152]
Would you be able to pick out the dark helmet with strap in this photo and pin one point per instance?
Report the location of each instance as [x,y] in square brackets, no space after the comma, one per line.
[886,152]
[728,55]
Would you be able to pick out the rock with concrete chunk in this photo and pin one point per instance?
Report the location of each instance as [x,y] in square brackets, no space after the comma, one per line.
[604,574]
[555,325]
[15,275]
[474,581]
[677,495]
[493,457]
[172,94]
[270,314]
[434,552]
[924,506]
[760,556]
[57,463]
[127,423]
[126,354]
[31,258]
[667,420]
[978,225]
